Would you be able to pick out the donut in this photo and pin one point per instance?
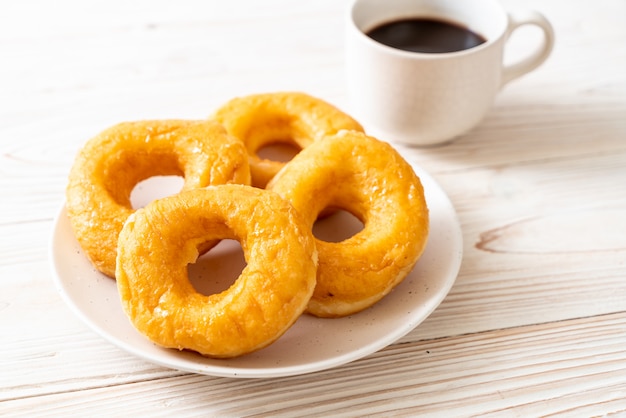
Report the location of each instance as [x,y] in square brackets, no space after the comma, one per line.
[112,163]
[264,301]
[369,179]
[291,118]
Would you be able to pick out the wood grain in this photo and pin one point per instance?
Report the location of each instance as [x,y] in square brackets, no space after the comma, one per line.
[528,371]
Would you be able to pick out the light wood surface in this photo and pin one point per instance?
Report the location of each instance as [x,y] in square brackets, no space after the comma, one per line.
[535,324]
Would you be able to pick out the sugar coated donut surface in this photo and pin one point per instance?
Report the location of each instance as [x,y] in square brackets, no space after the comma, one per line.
[111,164]
[283,117]
[264,301]
[369,179]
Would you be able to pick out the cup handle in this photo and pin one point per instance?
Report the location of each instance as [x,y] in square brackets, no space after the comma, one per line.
[539,55]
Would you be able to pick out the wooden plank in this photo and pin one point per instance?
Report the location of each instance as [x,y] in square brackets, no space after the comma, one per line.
[576,367]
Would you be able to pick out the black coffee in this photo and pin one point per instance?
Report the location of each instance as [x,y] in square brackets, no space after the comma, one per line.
[425,35]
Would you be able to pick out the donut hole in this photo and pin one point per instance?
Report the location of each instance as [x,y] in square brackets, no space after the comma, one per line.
[338,226]
[153,188]
[216,270]
[281,151]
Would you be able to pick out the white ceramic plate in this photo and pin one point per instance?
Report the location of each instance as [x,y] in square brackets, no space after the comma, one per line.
[311,344]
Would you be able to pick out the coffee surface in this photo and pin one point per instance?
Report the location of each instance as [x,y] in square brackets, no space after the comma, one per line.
[425,35]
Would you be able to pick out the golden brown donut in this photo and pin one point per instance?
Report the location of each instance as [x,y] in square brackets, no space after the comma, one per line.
[369,179]
[111,164]
[267,298]
[284,117]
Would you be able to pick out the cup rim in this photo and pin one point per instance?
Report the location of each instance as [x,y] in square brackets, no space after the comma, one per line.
[430,55]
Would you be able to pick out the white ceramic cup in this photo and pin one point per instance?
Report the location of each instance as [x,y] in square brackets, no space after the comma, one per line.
[430,98]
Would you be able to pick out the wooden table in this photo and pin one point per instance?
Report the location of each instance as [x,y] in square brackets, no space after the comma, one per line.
[535,324]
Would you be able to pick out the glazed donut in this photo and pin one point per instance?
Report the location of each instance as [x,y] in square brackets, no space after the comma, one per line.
[292,118]
[265,300]
[370,180]
[111,164]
